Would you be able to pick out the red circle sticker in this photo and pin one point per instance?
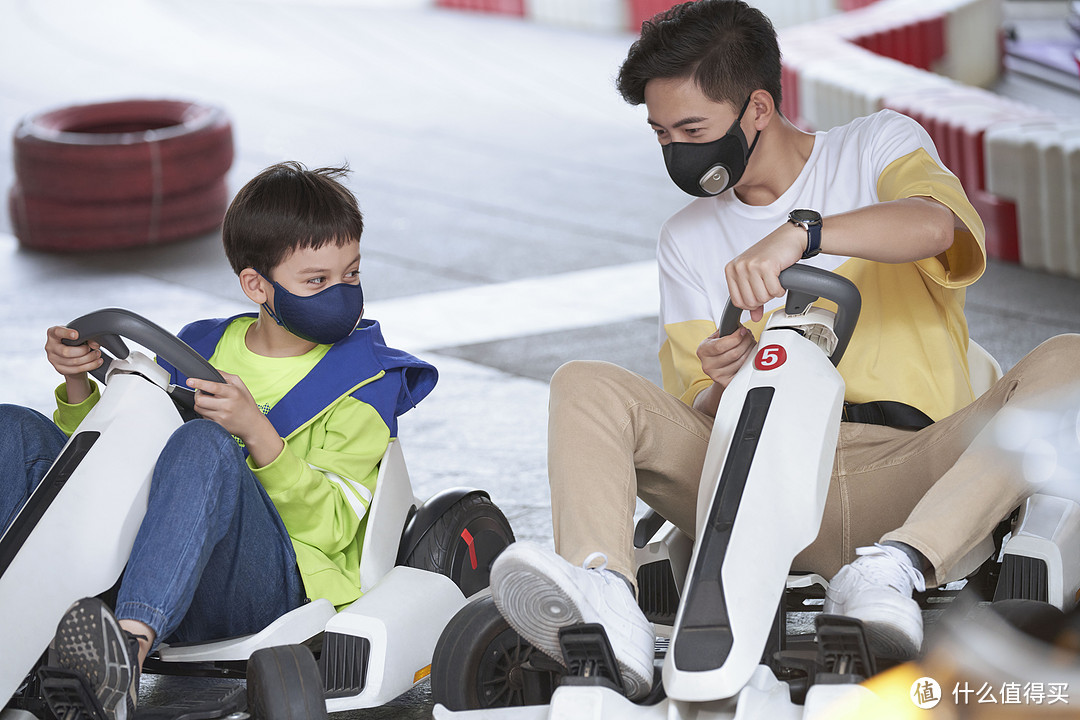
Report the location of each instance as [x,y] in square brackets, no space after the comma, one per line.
[770,357]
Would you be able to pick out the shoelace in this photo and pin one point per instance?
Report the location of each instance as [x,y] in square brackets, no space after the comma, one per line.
[593,556]
[897,574]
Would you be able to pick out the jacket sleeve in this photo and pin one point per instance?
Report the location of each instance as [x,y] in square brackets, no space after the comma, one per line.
[322,482]
[68,416]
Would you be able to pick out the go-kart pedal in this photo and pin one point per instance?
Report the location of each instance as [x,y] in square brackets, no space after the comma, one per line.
[69,695]
[844,655]
[589,658]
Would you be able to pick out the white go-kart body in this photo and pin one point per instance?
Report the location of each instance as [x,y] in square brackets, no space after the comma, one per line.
[784,409]
[87,515]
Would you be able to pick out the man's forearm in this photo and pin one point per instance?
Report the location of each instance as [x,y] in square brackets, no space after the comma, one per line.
[897,231]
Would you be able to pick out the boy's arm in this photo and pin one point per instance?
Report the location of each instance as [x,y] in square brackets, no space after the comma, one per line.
[78,394]
[323,480]
[68,415]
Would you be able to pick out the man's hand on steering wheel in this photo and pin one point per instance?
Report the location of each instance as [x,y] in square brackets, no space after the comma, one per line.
[753,277]
[721,357]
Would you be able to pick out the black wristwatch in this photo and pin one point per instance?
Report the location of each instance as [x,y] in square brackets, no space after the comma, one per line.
[809,220]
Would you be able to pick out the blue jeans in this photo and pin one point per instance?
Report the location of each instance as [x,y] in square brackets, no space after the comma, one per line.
[212,558]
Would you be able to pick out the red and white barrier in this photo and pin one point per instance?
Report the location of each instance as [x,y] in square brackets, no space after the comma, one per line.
[786,13]
[1036,164]
[607,15]
[500,7]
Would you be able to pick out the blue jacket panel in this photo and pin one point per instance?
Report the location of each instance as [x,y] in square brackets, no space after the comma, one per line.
[406,379]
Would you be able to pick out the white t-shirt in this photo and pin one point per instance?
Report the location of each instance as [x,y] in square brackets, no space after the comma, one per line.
[911,341]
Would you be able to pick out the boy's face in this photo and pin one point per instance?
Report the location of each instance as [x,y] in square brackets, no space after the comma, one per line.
[306,271]
[680,112]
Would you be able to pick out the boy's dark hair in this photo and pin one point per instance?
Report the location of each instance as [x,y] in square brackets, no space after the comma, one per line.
[287,207]
[727,47]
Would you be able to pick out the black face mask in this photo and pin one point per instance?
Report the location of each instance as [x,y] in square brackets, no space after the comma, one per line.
[707,169]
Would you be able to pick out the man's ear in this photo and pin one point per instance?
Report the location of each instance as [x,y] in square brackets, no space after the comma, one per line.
[762,109]
[254,285]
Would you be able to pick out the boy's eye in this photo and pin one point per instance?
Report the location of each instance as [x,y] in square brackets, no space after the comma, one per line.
[316,280]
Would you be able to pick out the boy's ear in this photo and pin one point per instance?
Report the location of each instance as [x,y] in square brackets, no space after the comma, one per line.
[253,285]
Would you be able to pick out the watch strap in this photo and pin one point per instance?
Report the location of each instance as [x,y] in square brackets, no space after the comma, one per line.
[813,239]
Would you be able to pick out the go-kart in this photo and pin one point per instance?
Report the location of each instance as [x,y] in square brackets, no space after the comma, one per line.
[421,561]
[721,604]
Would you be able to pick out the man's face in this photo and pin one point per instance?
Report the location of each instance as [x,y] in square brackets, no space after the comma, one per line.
[680,112]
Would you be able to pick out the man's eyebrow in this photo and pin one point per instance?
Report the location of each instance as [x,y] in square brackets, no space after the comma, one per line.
[680,123]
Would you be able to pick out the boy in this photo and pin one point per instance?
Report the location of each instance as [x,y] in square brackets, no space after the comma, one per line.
[260,504]
[869,200]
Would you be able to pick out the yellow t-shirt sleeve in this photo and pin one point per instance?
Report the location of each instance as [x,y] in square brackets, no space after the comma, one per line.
[680,368]
[918,175]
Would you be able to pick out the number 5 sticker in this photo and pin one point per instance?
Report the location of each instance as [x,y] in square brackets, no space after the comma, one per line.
[770,357]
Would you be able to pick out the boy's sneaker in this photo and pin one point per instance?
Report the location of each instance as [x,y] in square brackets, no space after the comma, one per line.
[539,593]
[90,641]
[877,589]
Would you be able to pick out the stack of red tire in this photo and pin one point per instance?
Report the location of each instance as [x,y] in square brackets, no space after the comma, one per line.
[119,174]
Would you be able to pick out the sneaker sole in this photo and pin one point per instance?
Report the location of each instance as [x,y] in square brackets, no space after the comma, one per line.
[534,602]
[90,641]
[885,627]
[886,643]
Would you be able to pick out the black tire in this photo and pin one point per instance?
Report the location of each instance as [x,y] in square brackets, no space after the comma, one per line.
[283,683]
[478,662]
[463,543]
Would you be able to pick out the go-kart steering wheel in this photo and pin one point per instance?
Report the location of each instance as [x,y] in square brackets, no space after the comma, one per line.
[109,326]
[805,284]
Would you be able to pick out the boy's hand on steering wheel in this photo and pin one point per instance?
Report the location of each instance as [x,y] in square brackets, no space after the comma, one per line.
[229,404]
[721,357]
[71,360]
[753,277]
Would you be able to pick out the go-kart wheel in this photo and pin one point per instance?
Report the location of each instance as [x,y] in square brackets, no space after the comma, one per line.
[478,663]
[283,683]
[463,543]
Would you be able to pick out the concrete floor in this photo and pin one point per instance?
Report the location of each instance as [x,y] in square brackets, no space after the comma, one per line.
[512,203]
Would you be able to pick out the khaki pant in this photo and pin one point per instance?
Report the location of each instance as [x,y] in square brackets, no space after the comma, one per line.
[613,435]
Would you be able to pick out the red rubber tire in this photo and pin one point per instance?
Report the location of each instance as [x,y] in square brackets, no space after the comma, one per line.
[122,150]
[65,226]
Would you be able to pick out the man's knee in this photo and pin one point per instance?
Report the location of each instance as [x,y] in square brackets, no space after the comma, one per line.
[587,378]
[1058,357]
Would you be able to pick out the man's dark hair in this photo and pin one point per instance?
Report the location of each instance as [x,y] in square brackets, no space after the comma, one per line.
[727,47]
[287,207]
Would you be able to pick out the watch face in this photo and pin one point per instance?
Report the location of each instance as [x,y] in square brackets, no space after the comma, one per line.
[807,216]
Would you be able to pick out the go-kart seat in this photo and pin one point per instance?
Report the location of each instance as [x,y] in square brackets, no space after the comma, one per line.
[387,514]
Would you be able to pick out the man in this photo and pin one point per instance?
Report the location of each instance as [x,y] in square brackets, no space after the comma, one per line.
[869,200]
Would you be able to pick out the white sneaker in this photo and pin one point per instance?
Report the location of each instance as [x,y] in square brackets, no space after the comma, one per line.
[539,592]
[876,589]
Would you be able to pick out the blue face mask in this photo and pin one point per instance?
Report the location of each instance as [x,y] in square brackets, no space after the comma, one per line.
[326,317]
